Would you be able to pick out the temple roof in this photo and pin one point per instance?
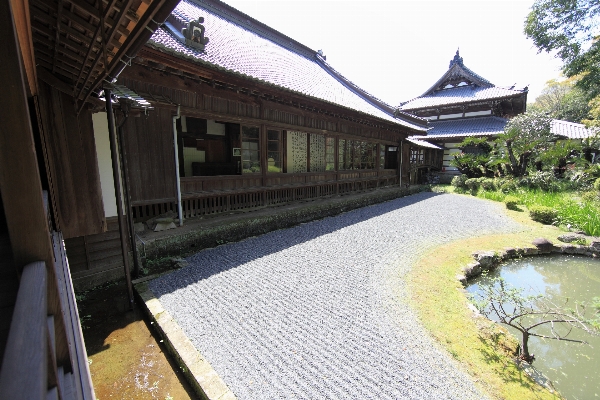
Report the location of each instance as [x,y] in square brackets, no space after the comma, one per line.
[459,85]
[423,143]
[479,126]
[570,130]
[243,46]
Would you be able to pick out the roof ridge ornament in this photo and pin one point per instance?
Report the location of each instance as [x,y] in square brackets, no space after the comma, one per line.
[194,34]
[456,60]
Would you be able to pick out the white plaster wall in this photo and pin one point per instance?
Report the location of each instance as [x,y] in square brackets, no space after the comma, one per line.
[105,164]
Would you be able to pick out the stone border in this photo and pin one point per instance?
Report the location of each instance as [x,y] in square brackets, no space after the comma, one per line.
[488,260]
[204,379]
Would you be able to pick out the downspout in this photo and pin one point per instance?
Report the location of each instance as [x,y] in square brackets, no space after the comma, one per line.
[117,182]
[178,178]
[401,163]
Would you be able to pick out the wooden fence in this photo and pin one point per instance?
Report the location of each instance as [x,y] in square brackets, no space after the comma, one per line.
[217,194]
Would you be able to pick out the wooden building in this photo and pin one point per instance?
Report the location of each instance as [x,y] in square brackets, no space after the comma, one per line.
[238,117]
[255,119]
[56,56]
[462,104]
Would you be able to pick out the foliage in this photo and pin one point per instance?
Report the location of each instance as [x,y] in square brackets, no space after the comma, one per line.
[528,314]
[597,184]
[488,184]
[594,113]
[543,214]
[458,182]
[474,157]
[526,137]
[570,28]
[545,181]
[563,100]
[472,165]
[590,197]
[508,186]
[512,203]
[481,145]
[472,184]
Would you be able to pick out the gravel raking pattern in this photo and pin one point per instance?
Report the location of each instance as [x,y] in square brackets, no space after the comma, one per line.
[319,311]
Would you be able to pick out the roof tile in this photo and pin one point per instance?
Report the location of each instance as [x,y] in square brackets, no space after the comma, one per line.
[248,52]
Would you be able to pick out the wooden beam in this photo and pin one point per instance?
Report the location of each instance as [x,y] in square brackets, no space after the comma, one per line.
[24,366]
[20,182]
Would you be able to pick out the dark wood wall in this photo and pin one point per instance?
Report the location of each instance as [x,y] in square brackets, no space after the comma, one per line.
[72,167]
[148,148]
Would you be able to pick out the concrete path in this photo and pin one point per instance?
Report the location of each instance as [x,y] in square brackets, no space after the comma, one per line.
[318,311]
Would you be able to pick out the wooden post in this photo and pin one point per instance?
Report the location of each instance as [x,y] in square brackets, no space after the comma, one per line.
[117,183]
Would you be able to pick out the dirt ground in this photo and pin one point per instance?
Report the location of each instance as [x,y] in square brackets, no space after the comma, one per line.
[127,359]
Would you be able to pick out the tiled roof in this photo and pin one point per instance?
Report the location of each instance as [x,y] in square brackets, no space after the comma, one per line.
[246,47]
[570,130]
[458,95]
[422,143]
[480,126]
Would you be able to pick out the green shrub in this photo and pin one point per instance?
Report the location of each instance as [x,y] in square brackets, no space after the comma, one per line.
[543,180]
[472,184]
[509,186]
[591,196]
[459,182]
[488,184]
[512,202]
[597,184]
[543,214]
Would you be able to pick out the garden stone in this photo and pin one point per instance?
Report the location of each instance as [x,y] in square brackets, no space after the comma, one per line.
[568,249]
[530,251]
[543,245]
[595,245]
[487,259]
[509,253]
[571,237]
[472,269]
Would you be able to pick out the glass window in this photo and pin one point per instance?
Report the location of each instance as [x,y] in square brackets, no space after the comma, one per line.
[317,153]
[329,154]
[250,149]
[342,155]
[274,151]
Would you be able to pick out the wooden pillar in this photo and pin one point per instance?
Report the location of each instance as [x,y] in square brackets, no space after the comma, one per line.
[20,182]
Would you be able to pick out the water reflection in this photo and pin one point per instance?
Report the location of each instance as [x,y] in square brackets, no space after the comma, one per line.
[573,368]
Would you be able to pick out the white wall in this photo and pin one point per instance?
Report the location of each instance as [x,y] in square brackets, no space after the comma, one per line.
[105,164]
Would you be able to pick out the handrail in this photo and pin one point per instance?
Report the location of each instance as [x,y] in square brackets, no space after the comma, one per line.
[24,373]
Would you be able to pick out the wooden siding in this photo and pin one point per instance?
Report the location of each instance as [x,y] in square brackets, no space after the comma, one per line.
[148,148]
[70,154]
[95,254]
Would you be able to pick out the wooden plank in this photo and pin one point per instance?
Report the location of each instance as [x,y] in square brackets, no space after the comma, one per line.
[20,9]
[24,367]
[72,165]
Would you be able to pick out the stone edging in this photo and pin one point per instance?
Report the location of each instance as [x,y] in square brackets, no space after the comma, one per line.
[488,260]
[198,371]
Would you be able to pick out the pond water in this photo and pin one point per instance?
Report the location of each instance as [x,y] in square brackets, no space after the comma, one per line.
[573,368]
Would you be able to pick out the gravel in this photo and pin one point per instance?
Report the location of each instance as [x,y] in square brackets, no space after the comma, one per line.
[318,311]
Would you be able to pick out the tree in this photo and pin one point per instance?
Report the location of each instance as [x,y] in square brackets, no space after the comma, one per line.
[525,139]
[530,315]
[570,28]
[563,100]
[473,158]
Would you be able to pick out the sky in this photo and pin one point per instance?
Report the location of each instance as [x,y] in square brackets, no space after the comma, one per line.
[397,49]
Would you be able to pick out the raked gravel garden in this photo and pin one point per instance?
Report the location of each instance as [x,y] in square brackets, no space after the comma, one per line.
[320,311]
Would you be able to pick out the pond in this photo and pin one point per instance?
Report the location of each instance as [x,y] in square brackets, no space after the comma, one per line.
[573,368]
